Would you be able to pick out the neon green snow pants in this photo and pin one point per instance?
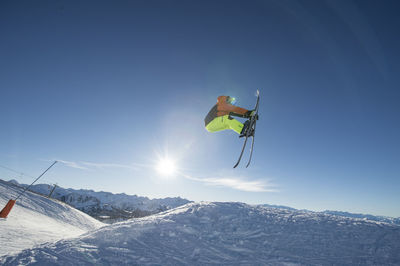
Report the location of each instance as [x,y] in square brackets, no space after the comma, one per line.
[224,122]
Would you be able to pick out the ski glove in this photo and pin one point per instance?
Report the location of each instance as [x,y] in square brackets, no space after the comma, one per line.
[250,113]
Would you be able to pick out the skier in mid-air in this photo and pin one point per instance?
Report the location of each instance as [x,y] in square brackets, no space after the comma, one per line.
[220,117]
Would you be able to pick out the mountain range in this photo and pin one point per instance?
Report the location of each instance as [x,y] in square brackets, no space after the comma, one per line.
[105,206]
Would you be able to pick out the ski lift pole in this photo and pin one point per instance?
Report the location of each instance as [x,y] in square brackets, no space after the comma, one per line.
[20,194]
[51,192]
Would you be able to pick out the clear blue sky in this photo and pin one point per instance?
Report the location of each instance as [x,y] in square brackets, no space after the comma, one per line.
[110,87]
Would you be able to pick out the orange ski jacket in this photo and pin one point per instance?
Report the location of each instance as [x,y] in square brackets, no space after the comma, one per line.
[223,107]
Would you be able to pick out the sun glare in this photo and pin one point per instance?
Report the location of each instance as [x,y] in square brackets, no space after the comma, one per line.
[166,167]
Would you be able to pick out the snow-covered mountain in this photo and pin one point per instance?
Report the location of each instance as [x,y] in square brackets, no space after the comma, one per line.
[106,206]
[226,234]
[35,220]
[385,219]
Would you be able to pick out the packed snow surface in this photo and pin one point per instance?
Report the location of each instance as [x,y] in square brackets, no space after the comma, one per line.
[35,219]
[226,234]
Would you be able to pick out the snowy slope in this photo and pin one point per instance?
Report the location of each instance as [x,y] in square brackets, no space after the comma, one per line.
[226,234]
[101,203]
[36,219]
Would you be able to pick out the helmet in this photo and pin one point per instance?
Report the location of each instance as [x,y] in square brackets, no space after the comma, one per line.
[231,100]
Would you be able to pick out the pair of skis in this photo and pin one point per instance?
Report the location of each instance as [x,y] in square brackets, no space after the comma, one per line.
[252,127]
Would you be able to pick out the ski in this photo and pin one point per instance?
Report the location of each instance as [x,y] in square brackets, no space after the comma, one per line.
[252,140]
[253,120]
[241,153]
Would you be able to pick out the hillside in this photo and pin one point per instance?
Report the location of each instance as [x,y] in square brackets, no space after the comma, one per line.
[106,206]
[226,234]
[36,219]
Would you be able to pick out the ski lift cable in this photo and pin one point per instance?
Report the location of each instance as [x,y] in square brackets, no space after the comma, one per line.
[15,171]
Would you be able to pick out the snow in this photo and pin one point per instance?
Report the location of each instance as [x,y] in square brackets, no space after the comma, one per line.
[225,234]
[35,220]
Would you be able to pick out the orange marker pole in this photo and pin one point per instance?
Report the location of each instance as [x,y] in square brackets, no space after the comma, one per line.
[6,210]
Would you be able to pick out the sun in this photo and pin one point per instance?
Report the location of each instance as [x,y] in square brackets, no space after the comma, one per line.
[166,167]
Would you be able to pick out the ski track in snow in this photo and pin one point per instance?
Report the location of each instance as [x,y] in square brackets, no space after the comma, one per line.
[225,234]
[35,220]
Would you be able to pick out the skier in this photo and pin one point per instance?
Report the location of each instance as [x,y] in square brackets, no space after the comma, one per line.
[220,117]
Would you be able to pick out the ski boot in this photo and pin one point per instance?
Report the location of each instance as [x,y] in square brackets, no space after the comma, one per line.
[243,133]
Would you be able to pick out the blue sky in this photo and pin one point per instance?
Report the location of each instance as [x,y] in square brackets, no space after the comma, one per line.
[110,88]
